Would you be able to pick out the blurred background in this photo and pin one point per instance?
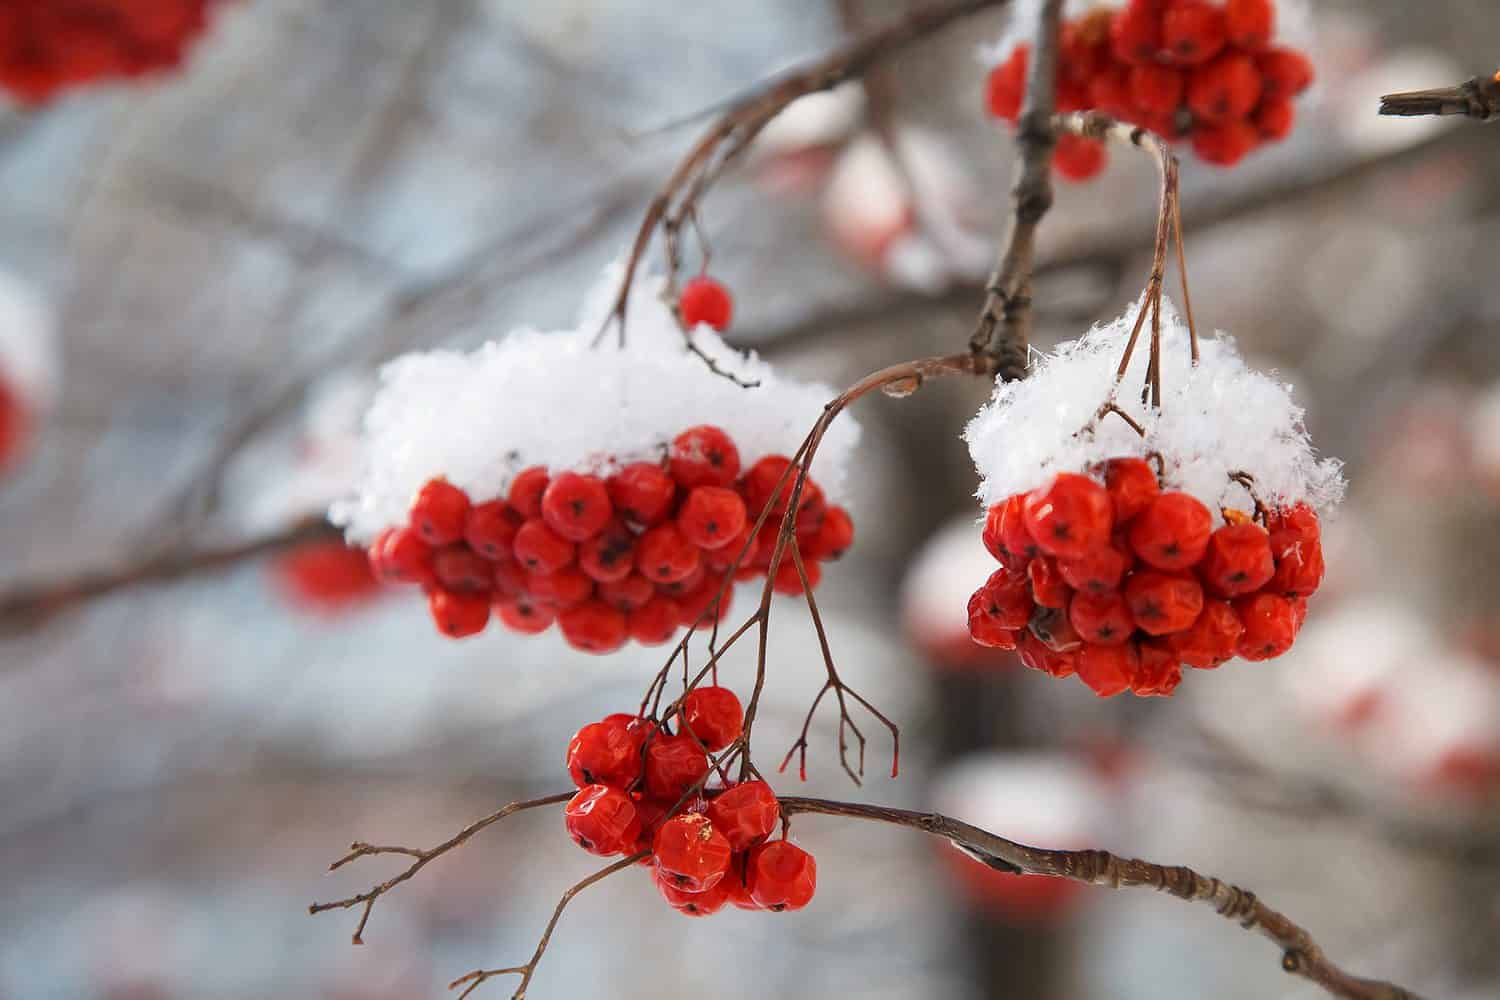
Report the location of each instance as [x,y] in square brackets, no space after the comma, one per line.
[199,275]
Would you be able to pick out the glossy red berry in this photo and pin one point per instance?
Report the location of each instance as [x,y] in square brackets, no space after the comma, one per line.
[459,615]
[526,491]
[1271,624]
[689,853]
[663,555]
[1069,516]
[458,567]
[1163,603]
[490,529]
[764,486]
[399,556]
[713,714]
[705,300]
[602,820]
[781,876]
[1048,588]
[1238,560]
[1173,532]
[1226,88]
[704,456]
[1108,670]
[988,629]
[575,506]
[835,535]
[566,588]
[1097,572]
[1131,485]
[1156,89]
[1158,673]
[1211,640]
[693,904]
[711,516]
[539,549]
[1275,118]
[746,813]
[789,582]
[642,493]
[1250,23]
[654,622]
[607,752]
[1005,87]
[1193,31]
[675,764]
[439,511]
[1284,73]
[326,576]
[524,615]
[1008,594]
[1297,548]
[1135,34]
[628,594]
[1226,143]
[609,556]
[1035,654]
[1006,534]
[593,627]
[1077,158]
[1102,619]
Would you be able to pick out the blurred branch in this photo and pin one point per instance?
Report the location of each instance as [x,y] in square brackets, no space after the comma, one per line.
[1301,955]
[1478,98]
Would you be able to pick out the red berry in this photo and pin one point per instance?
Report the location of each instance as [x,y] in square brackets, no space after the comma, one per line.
[736,881]
[1238,560]
[1212,639]
[490,529]
[705,300]
[458,567]
[607,752]
[524,615]
[593,627]
[628,594]
[439,511]
[510,579]
[711,516]
[693,904]
[1102,619]
[704,456]
[602,820]
[746,814]
[835,535]
[1109,91]
[1035,654]
[539,549]
[1226,143]
[326,576]
[1250,23]
[1005,87]
[1163,603]
[985,628]
[763,482]
[1275,118]
[642,493]
[567,588]
[675,764]
[1193,31]
[663,555]
[789,582]
[655,621]
[1284,73]
[1048,588]
[1008,594]
[1069,516]
[713,714]
[1156,89]
[576,507]
[781,876]
[1299,570]
[1226,88]
[1173,532]
[1135,34]
[1270,626]
[690,854]
[1006,534]
[526,491]
[610,555]
[1083,51]
[457,614]
[652,815]
[1108,670]
[697,607]
[1097,572]
[1077,158]
[1131,485]
[1159,671]
[1053,627]
[399,556]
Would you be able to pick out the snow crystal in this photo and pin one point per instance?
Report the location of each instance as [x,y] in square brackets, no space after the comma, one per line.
[557,399]
[1220,418]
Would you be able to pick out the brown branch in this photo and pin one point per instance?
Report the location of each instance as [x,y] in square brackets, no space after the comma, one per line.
[1300,954]
[1003,332]
[1478,98]
[362,850]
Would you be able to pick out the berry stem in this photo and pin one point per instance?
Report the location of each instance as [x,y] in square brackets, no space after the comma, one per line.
[1478,98]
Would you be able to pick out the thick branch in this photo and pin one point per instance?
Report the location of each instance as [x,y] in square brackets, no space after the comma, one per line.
[1301,955]
[1478,98]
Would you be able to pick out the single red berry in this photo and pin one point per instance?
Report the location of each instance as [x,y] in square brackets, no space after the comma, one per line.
[567,588]
[1285,73]
[1008,594]
[1055,630]
[1006,534]
[1097,572]
[1173,532]
[1069,516]
[985,628]
[1156,89]
[458,567]
[1109,91]
[1275,118]
[524,615]
[607,752]
[697,606]
[675,764]
[1077,158]
[609,556]
[439,511]
[326,576]
[1298,522]
[628,594]
[1299,570]
[1131,485]
[490,529]
[593,627]
[713,714]
[789,582]
[602,820]
[690,854]
[1238,560]
[781,876]
[1159,671]
[539,549]
[1212,639]
[1108,670]
[510,579]
[1101,619]
[705,300]
[745,814]
[835,535]
[1005,87]
[686,585]
[764,487]
[1250,23]
[663,555]
[1048,588]
[1193,31]
[693,904]
[526,491]
[398,555]
[1135,34]
[1226,143]
[654,622]
[1163,603]
[704,456]
[575,506]
[1035,654]
[1270,626]
[711,516]
[1228,87]
[642,493]
[741,551]
[458,614]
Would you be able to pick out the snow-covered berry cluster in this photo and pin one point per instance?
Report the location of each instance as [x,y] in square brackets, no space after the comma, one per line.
[1188,70]
[48,46]
[643,788]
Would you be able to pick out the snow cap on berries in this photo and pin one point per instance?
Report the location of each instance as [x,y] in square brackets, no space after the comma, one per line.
[1217,419]
[558,399]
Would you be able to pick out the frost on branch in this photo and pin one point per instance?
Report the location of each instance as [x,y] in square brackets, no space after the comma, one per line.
[561,400]
[1216,420]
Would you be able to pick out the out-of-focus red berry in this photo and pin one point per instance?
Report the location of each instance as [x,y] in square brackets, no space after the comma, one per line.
[705,300]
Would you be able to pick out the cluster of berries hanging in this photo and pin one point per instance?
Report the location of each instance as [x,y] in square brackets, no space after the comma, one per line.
[1188,70]
[48,46]
[636,554]
[643,789]
[1115,579]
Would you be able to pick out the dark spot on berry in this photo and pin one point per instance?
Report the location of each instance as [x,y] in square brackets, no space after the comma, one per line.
[579,506]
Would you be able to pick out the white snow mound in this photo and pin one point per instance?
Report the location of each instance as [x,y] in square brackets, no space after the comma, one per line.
[556,399]
[1217,418]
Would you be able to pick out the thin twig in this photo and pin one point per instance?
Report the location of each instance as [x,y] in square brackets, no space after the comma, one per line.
[1478,98]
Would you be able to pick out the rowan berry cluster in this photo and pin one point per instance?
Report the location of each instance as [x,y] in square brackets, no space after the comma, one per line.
[47,46]
[1115,579]
[644,790]
[1187,70]
[636,554]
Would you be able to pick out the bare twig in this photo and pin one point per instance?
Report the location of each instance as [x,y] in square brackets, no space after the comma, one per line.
[1300,954]
[1478,98]
[360,849]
